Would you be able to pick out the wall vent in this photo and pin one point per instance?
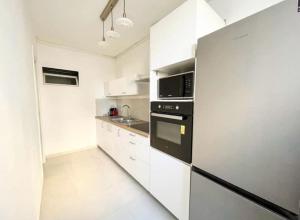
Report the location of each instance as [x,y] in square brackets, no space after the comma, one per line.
[60,77]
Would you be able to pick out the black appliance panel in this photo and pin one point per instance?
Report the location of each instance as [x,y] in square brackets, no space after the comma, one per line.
[177,86]
[171,129]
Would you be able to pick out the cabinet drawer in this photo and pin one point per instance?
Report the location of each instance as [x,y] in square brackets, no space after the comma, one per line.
[140,149]
[139,170]
[138,138]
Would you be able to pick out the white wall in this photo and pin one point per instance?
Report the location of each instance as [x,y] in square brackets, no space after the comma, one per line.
[21,174]
[68,112]
[235,10]
[135,61]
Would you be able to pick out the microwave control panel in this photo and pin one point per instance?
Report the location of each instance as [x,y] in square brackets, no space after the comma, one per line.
[189,85]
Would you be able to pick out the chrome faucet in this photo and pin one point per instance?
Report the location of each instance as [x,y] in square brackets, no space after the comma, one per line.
[128,110]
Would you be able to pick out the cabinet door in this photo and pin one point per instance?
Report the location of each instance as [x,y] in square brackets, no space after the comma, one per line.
[114,87]
[98,133]
[122,149]
[208,20]
[113,141]
[170,183]
[142,173]
[107,89]
[111,136]
[121,87]
[126,86]
[130,87]
[172,38]
[103,141]
[118,146]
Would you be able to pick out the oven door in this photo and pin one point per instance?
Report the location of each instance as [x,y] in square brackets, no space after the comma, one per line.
[172,134]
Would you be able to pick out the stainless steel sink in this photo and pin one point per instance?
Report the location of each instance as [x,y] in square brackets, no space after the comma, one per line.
[124,120]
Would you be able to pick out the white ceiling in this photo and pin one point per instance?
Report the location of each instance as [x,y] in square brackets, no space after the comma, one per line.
[234,10]
[76,23]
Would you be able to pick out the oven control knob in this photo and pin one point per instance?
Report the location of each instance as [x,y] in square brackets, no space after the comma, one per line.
[159,106]
[177,107]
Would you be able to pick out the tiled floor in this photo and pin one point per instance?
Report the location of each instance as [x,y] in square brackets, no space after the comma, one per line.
[89,186]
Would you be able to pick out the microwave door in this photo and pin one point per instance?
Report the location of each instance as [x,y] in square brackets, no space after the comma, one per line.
[171,87]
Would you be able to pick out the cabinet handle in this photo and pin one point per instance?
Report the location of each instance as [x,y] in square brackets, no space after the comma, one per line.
[132,135]
[131,158]
[124,92]
[131,142]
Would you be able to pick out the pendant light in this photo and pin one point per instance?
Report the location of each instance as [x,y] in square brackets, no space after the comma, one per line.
[124,21]
[112,33]
[103,42]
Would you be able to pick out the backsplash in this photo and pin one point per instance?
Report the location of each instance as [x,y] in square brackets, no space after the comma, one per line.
[139,108]
[103,106]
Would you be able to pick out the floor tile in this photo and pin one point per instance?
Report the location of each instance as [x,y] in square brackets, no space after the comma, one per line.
[89,185]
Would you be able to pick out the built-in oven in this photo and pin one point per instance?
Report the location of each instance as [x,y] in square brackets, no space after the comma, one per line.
[171,128]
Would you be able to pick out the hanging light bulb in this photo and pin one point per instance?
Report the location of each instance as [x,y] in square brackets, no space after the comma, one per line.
[112,33]
[124,21]
[103,42]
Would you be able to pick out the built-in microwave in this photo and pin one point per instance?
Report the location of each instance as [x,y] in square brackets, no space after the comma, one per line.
[172,128]
[179,86]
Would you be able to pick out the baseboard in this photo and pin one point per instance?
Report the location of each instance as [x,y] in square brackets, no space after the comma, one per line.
[70,152]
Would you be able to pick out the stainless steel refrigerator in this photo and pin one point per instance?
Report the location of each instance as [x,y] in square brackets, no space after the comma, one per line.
[246,140]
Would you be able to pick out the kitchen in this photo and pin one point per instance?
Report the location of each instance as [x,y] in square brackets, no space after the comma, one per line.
[186,111]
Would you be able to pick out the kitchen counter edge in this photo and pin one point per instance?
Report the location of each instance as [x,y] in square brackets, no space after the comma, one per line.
[107,119]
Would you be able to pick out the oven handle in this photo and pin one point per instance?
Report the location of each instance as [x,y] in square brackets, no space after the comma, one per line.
[179,118]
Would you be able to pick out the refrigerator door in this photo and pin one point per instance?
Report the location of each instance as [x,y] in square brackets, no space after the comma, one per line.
[210,201]
[247,105]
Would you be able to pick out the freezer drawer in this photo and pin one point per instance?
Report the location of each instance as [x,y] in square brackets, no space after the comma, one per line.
[210,201]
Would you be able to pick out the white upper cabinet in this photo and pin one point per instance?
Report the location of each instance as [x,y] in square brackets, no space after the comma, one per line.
[125,86]
[121,87]
[173,39]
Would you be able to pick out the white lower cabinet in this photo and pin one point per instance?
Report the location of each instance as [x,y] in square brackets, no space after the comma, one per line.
[165,177]
[170,183]
[130,150]
[101,133]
